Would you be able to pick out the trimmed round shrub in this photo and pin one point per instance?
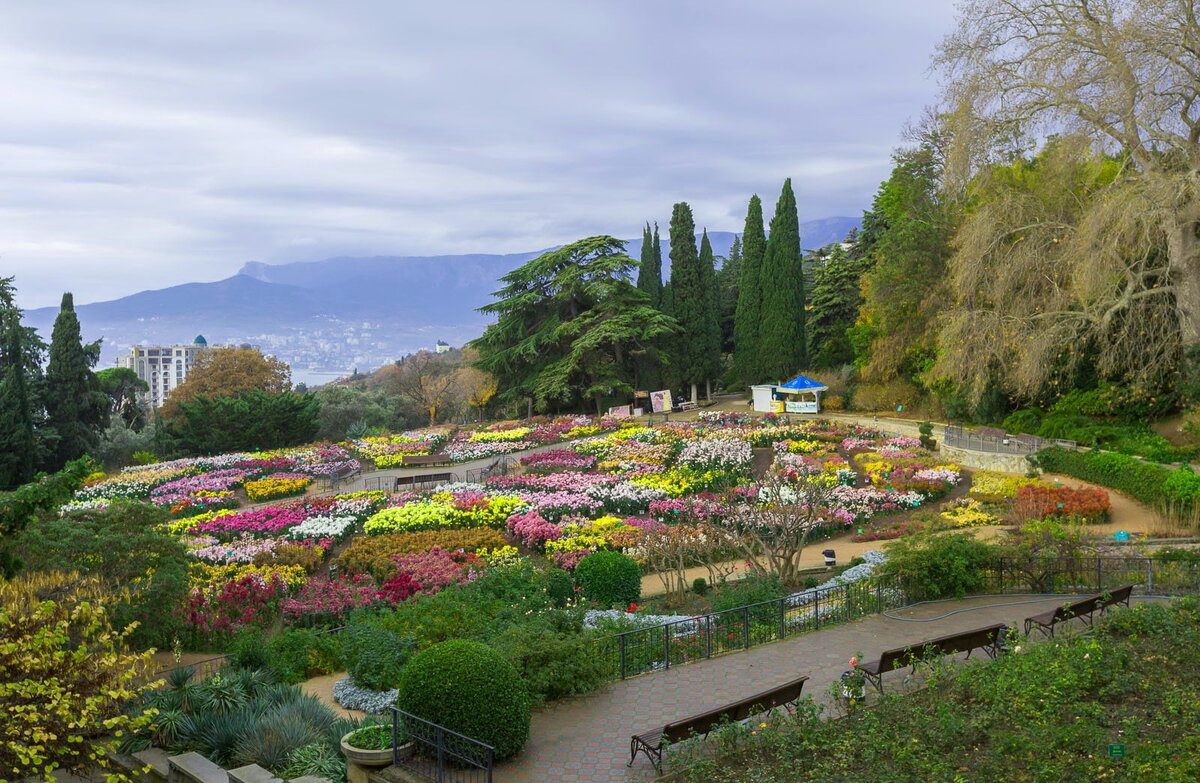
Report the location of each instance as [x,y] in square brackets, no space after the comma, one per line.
[609,578]
[470,688]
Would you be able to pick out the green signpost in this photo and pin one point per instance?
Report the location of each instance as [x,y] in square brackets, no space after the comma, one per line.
[1116,751]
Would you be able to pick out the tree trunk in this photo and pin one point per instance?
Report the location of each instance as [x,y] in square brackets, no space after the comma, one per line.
[529,409]
[1184,260]
[695,398]
[708,389]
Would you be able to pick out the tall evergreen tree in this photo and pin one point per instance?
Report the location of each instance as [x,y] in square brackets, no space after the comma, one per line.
[692,303]
[835,299]
[712,313]
[728,280]
[783,344]
[17,445]
[650,271]
[76,406]
[747,318]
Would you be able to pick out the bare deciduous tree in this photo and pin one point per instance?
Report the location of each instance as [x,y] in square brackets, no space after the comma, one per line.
[427,381]
[1123,73]
[772,533]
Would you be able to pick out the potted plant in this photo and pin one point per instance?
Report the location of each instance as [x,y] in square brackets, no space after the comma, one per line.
[371,746]
[853,682]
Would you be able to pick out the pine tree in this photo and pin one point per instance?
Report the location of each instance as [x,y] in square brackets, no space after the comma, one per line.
[835,300]
[746,320]
[782,344]
[77,407]
[17,445]
[650,271]
[712,313]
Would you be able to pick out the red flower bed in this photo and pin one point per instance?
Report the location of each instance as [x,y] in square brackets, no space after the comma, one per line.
[1034,502]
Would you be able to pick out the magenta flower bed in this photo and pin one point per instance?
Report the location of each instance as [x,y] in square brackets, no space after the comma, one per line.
[559,458]
[263,521]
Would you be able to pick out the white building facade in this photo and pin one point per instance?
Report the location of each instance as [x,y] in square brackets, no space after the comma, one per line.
[162,367]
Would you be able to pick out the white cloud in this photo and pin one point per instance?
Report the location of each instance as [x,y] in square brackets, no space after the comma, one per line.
[151,144]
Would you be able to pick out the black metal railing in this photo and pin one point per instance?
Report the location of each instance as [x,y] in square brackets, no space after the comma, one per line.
[1149,576]
[437,753]
[660,647]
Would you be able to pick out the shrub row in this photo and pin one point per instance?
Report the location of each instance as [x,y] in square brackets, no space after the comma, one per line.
[1140,480]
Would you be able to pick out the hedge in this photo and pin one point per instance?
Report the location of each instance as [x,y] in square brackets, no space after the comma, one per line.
[1144,481]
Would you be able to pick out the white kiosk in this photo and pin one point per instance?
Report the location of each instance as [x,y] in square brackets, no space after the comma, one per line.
[799,395]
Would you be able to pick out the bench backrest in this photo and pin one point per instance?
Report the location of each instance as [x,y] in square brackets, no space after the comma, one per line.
[1077,608]
[737,711]
[899,657]
[1118,595]
[422,459]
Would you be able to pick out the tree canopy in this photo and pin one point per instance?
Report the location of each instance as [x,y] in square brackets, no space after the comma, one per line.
[223,372]
[568,326]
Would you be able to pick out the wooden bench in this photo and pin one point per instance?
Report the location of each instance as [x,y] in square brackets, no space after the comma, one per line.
[651,742]
[423,480]
[334,480]
[1083,608]
[500,466]
[989,638]
[424,459]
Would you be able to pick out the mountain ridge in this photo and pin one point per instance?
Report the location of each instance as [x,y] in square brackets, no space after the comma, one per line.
[335,313]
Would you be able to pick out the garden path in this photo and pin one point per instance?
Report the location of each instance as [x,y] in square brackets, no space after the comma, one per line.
[586,740]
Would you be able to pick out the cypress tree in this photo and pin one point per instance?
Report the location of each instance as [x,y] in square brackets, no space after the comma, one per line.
[650,271]
[17,445]
[76,406]
[746,322]
[711,348]
[689,299]
[783,344]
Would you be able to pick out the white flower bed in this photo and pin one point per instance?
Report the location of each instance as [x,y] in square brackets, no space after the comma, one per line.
[354,697]
[324,527]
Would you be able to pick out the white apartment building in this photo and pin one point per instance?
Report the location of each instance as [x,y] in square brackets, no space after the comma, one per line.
[162,367]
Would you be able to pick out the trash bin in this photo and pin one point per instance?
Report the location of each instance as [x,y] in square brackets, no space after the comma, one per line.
[830,558]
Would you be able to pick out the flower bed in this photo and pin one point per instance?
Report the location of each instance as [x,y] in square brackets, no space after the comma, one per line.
[1087,505]
[279,485]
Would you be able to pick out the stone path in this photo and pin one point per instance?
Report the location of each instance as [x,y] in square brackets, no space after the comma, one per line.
[586,740]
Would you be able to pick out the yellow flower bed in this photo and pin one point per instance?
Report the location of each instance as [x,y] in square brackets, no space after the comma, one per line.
[500,556]
[969,514]
[501,436]
[210,575]
[187,525]
[996,487]
[270,488]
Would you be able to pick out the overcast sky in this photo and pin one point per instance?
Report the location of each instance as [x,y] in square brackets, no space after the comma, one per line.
[148,144]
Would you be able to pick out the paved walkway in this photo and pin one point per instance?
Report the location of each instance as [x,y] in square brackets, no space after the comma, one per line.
[586,740]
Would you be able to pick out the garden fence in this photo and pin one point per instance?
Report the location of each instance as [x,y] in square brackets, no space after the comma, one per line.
[954,435]
[1095,574]
[439,754]
[660,647]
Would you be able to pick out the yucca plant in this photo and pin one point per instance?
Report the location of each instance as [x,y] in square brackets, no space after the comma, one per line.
[222,694]
[318,759]
[272,741]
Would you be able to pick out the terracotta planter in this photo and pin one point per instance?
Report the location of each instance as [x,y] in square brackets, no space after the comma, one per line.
[373,758]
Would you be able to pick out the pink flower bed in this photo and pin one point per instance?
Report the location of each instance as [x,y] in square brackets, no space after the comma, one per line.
[328,600]
[532,529]
[436,568]
[559,458]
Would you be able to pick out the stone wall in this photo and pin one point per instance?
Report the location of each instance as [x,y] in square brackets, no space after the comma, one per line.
[984,460]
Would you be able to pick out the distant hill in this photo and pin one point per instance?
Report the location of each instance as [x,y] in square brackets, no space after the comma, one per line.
[339,313]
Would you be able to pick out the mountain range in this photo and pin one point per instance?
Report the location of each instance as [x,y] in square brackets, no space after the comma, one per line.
[327,317]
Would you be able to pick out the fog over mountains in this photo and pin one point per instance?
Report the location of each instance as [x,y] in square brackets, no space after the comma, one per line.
[327,317]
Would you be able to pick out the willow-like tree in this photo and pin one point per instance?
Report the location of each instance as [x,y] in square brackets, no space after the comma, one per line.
[747,318]
[1126,75]
[693,303]
[568,325]
[782,338]
[76,407]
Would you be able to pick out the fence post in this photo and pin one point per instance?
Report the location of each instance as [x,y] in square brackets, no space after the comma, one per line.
[395,734]
[441,759]
[708,636]
[878,597]
[622,645]
[667,646]
[782,617]
[746,628]
[1099,575]
[1149,576]
[817,610]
